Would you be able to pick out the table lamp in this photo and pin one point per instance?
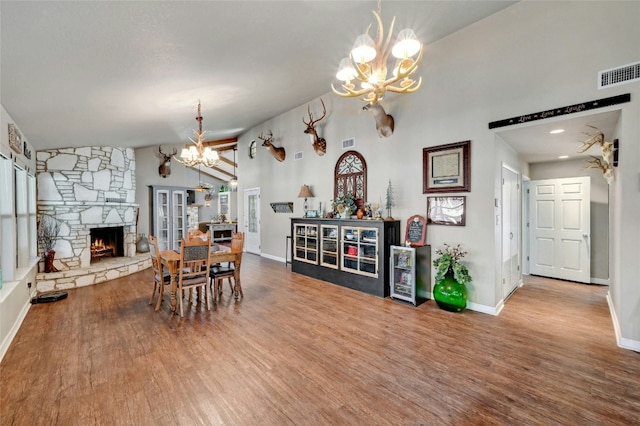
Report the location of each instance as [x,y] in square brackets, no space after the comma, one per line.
[305,192]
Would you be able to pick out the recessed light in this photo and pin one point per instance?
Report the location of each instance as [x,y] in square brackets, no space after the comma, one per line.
[556,131]
[562,157]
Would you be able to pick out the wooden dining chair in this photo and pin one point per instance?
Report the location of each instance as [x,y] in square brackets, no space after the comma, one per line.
[161,277]
[218,273]
[194,268]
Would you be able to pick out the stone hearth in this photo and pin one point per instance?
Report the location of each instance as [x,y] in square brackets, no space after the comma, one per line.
[105,270]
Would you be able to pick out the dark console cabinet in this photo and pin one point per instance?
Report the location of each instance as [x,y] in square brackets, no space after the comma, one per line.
[348,252]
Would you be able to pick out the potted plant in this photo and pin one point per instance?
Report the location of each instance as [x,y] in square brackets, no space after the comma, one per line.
[452,277]
[47,235]
[344,207]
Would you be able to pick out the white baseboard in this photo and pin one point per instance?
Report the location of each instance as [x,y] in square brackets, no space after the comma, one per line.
[600,281]
[630,344]
[276,258]
[14,329]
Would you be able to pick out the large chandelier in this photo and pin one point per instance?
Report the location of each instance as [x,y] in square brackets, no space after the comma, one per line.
[198,154]
[367,64]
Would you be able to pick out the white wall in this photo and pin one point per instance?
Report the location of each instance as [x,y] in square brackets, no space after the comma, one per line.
[530,57]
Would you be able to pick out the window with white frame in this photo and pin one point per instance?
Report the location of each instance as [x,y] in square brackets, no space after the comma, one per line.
[7,220]
[22,217]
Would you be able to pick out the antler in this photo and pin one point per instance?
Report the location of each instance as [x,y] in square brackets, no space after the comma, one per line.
[596,163]
[312,122]
[166,156]
[268,138]
[594,138]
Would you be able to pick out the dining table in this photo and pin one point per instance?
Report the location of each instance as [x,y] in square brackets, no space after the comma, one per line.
[218,254]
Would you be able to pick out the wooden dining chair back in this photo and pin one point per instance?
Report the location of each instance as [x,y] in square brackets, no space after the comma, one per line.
[218,273]
[161,277]
[194,269]
[237,241]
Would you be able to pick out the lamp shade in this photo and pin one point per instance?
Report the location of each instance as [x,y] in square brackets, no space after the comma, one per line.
[305,192]
[346,71]
[364,49]
[407,44]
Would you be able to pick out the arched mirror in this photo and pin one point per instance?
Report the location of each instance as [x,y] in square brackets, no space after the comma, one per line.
[351,176]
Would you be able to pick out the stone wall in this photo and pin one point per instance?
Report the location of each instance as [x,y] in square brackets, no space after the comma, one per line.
[84,188]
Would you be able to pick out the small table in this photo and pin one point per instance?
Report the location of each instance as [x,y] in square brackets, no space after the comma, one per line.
[171,260]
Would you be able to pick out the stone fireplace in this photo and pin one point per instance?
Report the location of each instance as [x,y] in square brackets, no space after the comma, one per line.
[84,189]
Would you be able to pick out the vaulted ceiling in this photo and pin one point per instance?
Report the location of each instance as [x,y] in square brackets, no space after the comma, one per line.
[80,73]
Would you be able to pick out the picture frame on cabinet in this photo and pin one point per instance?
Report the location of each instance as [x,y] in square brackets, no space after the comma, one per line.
[446,210]
[447,168]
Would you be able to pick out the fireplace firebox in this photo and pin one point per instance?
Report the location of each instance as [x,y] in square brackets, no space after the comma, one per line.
[107,242]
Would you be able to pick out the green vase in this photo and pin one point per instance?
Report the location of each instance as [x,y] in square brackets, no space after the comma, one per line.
[449,294]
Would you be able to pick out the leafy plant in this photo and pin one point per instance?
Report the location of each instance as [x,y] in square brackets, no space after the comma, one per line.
[345,205]
[450,257]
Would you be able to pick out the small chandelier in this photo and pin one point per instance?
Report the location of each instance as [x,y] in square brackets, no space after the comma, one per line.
[367,63]
[199,154]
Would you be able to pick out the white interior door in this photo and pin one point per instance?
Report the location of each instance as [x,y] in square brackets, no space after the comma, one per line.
[510,231]
[560,228]
[252,220]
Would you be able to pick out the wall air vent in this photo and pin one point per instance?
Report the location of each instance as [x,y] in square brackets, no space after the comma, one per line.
[297,155]
[348,143]
[620,75]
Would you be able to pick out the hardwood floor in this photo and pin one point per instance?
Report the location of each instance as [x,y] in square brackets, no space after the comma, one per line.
[300,351]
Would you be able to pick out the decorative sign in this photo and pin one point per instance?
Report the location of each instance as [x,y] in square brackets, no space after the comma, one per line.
[282,207]
[15,139]
[27,151]
[556,112]
[416,232]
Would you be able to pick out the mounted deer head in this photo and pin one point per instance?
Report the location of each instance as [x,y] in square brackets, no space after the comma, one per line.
[319,144]
[277,152]
[165,162]
[384,121]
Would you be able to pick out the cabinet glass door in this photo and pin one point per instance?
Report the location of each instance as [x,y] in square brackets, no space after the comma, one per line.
[403,273]
[179,218]
[223,204]
[329,244]
[162,219]
[306,243]
[359,250]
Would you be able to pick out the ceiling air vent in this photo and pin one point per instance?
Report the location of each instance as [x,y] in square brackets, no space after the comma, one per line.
[297,155]
[621,75]
[348,143]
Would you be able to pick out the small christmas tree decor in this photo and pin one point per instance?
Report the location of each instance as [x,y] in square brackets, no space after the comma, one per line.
[389,202]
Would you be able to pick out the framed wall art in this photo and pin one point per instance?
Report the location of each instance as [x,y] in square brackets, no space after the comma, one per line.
[446,210]
[15,139]
[446,168]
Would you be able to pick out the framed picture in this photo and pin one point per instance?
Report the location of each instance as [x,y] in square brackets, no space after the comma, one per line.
[15,139]
[446,210]
[446,168]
